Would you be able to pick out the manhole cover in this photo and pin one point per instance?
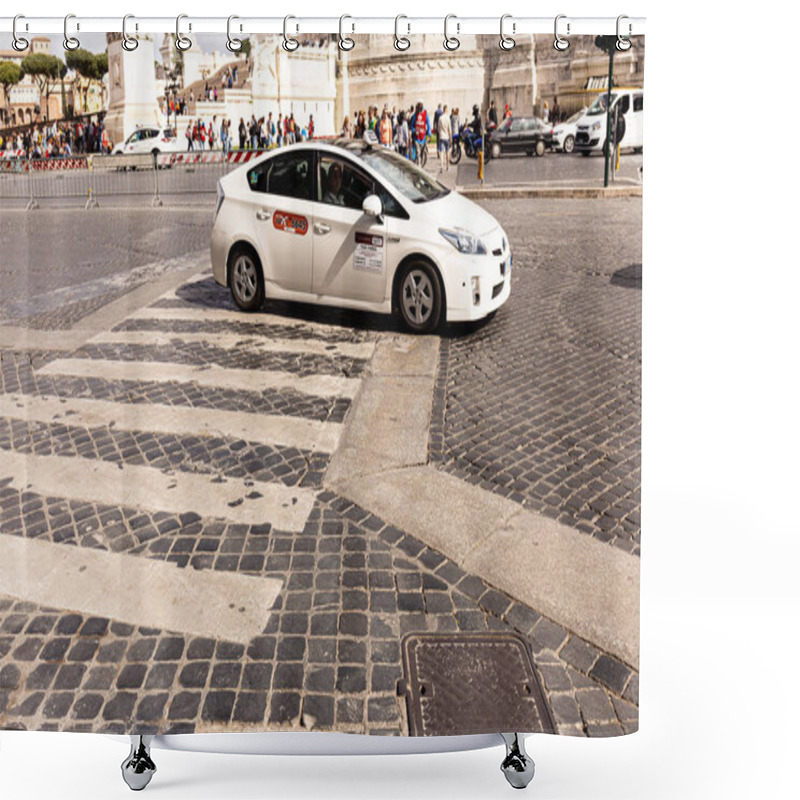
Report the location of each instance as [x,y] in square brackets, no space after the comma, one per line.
[458,684]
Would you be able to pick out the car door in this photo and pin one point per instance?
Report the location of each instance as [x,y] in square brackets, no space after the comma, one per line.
[280,202]
[513,142]
[132,142]
[350,247]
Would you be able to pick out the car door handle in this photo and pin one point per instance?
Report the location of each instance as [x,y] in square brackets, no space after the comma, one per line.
[262,213]
[321,227]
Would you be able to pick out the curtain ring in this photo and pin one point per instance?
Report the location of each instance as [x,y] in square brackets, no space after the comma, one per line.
[451,42]
[19,44]
[401,43]
[623,42]
[559,43]
[181,42]
[234,45]
[129,43]
[345,42]
[507,42]
[70,42]
[289,44]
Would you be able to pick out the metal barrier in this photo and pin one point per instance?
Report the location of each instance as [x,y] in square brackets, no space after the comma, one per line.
[94,177]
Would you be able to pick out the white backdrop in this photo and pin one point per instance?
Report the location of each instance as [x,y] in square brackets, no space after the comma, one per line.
[720,603]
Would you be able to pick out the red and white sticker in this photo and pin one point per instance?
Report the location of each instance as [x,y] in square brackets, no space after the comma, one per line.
[368,254]
[291,223]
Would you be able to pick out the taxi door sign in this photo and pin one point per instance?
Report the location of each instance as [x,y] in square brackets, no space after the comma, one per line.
[291,223]
[368,254]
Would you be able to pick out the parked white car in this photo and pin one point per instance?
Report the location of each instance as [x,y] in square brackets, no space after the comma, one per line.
[149,140]
[352,225]
[564,132]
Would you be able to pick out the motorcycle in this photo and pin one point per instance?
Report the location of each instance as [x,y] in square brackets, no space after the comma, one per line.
[473,143]
[455,148]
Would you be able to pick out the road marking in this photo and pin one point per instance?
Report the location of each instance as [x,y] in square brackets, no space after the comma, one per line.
[251,343]
[202,314]
[137,590]
[304,434]
[244,380]
[233,499]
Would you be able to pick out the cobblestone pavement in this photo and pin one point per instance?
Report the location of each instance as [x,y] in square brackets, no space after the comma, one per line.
[543,403]
[352,585]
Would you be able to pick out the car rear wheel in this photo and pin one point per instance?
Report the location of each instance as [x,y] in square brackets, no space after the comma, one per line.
[569,144]
[419,297]
[539,147]
[246,279]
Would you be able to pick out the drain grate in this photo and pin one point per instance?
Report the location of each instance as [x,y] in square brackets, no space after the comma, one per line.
[458,684]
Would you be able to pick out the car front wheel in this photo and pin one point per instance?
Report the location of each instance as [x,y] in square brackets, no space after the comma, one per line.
[569,144]
[420,297]
[246,279]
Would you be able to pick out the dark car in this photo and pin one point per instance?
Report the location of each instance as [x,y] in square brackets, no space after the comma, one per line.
[527,135]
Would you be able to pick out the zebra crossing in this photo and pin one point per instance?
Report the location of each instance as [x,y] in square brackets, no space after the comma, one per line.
[181,409]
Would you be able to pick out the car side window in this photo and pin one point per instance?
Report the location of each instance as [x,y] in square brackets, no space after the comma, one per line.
[288,175]
[340,184]
[638,102]
[625,104]
[390,206]
[517,125]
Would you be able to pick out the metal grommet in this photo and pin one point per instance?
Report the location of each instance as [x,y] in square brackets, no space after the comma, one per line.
[181,42]
[623,42]
[289,44]
[560,44]
[234,45]
[345,42]
[507,42]
[451,42]
[19,44]
[401,43]
[129,43]
[70,42]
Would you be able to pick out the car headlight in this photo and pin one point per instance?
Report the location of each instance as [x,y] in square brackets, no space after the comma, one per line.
[464,241]
[597,125]
[220,198]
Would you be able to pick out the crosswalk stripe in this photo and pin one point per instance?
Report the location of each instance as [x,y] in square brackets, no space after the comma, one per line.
[303,434]
[232,341]
[136,590]
[220,314]
[233,499]
[209,375]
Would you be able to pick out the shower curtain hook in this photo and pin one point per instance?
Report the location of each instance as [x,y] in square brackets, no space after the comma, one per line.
[623,42]
[401,43]
[234,45]
[70,42]
[181,42]
[129,43]
[451,42]
[19,44]
[560,44]
[345,42]
[289,44]
[507,42]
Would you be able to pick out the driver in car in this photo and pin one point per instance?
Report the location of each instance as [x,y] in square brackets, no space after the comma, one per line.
[333,194]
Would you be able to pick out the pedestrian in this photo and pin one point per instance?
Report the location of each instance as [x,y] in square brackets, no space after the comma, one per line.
[545,112]
[310,126]
[347,128]
[270,130]
[385,129]
[491,115]
[279,133]
[443,135]
[555,114]
[189,137]
[242,133]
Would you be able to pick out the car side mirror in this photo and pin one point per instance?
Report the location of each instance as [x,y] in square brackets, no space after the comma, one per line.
[372,206]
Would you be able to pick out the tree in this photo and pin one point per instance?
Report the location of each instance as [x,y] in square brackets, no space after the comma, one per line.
[10,75]
[246,47]
[83,63]
[45,70]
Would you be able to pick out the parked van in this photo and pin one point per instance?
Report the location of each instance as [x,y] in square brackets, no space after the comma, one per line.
[627,108]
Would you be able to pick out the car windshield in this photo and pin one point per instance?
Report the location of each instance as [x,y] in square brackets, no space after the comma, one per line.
[407,178]
[575,117]
[599,105]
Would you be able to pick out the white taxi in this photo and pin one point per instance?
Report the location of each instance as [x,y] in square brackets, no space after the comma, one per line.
[149,140]
[354,225]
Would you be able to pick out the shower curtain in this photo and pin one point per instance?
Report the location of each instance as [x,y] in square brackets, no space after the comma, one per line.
[321,384]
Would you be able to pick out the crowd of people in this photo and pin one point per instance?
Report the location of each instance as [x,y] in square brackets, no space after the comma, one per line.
[59,139]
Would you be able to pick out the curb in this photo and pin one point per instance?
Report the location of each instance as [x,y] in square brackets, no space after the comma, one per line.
[554,192]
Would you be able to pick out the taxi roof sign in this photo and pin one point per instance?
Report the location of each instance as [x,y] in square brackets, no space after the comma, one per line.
[369,137]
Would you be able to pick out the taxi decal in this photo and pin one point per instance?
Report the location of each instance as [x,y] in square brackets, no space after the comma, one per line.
[291,223]
[368,254]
